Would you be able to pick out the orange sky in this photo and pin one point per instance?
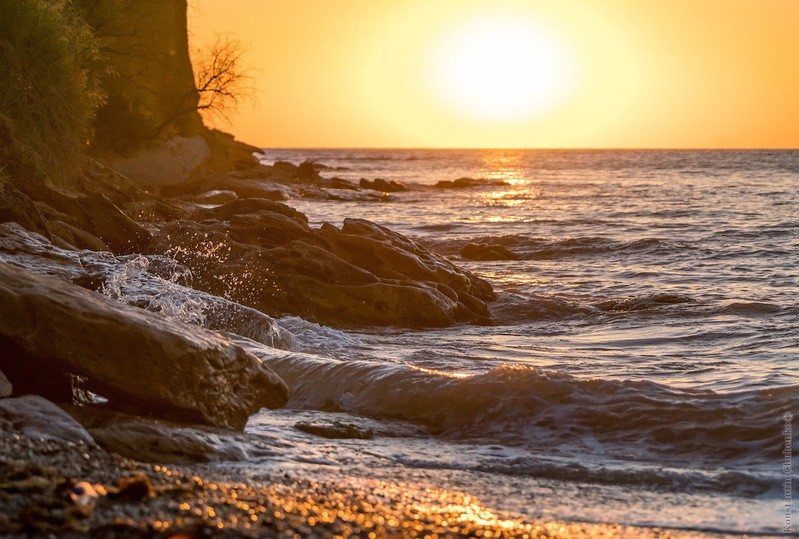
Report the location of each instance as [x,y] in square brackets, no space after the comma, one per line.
[627,73]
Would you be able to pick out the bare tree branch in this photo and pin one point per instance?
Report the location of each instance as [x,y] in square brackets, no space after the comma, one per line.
[222,78]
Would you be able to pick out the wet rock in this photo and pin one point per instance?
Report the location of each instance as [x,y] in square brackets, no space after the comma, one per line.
[253,188]
[77,237]
[361,275]
[141,362]
[335,430]
[25,249]
[150,283]
[465,183]
[386,186]
[484,251]
[340,183]
[151,440]
[36,417]
[5,386]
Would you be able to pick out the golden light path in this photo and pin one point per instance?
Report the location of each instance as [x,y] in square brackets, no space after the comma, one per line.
[501,66]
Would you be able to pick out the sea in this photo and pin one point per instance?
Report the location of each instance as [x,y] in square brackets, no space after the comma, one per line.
[642,366]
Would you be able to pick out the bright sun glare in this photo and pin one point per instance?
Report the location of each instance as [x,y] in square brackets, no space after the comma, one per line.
[502,67]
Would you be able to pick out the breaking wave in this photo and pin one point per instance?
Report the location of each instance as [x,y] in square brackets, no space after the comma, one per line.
[549,409]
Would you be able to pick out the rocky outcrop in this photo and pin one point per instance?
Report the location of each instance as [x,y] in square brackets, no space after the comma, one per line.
[140,361]
[263,254]
[87,211]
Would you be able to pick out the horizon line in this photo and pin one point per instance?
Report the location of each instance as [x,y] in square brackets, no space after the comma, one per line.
[540,148]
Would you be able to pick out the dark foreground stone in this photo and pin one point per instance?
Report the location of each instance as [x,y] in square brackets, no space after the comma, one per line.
[36,417]
[141,362]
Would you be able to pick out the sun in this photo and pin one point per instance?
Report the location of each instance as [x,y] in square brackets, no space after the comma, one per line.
[501,67]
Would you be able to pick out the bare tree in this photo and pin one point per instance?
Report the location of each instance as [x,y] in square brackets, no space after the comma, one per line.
[222,77]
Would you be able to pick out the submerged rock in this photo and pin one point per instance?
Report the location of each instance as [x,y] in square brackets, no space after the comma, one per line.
[386,186]
[141,362]
[36,417]
[465,183]
[335,430]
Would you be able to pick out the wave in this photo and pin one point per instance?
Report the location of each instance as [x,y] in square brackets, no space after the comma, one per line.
[749,308]
[514,308]
[160,284]
[741,483]
[549,410]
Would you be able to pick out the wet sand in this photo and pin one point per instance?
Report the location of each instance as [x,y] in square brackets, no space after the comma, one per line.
[69,489]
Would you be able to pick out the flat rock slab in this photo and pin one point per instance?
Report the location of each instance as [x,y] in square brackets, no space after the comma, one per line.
[140,361]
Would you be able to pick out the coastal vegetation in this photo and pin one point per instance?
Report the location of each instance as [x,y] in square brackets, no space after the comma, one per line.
[50,91]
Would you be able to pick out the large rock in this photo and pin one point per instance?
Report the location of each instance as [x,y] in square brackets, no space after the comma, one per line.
[152,283]
[263,254]
[36,417]
[141,362]
[153,440]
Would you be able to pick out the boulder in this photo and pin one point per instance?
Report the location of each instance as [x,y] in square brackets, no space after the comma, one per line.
[335,430]
[36,417]
[142,362]
[153,440]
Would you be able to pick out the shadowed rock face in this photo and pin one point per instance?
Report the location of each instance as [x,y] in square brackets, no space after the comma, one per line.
[263,254]
[142,362]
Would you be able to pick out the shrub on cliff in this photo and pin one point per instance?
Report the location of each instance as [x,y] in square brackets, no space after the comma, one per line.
[48,95]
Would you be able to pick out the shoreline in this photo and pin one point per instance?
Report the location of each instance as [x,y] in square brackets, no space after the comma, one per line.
[44,483]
